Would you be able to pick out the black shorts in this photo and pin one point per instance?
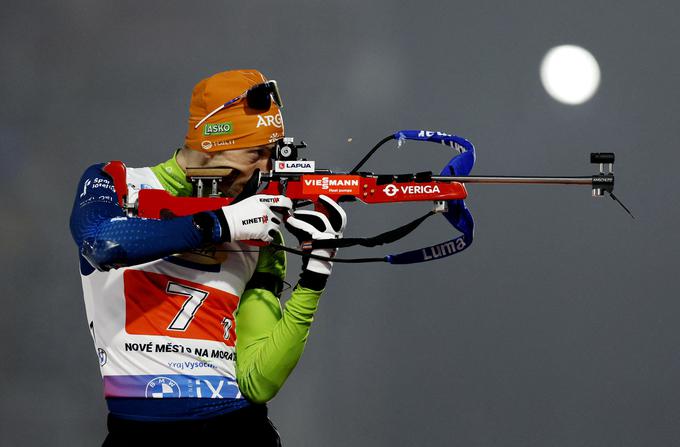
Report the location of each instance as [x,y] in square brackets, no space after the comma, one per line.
[248,426]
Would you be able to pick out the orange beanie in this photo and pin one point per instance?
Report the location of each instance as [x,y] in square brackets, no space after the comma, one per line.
[237,126]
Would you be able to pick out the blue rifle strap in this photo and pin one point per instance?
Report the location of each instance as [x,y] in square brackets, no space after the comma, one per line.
[458,215]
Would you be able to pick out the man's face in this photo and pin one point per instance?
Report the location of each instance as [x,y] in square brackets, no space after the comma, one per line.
[245,161]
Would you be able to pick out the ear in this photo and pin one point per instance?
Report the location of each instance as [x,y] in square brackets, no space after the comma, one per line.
[188,157]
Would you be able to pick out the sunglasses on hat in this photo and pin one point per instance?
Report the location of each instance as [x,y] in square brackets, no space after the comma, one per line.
[258,97]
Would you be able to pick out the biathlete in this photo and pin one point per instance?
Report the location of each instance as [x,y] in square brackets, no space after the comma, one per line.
[185,315]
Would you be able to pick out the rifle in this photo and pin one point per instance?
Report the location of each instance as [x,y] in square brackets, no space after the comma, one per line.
[299,180]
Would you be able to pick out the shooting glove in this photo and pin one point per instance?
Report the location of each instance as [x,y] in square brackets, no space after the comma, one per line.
[327,223]
[252,218]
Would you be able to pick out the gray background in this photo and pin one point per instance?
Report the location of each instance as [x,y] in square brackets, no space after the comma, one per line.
[559,327]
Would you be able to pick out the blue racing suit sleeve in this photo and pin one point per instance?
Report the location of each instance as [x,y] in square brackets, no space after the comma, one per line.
[107,238]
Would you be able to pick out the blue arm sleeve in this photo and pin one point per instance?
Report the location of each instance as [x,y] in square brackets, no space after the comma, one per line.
[108,239]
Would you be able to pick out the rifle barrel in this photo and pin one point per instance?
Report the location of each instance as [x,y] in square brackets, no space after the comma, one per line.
[495,179]
[516,180]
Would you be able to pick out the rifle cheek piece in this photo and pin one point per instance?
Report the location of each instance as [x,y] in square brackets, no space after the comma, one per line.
[207,180]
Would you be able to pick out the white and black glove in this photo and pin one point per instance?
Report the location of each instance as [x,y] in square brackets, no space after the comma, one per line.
[308,226]
[252,218]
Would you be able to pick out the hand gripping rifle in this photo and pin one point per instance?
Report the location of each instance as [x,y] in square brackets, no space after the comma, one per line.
[299,180]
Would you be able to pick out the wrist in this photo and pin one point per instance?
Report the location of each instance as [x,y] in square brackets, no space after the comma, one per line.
[208,223]
[312,280]
[321,266]
[225,230]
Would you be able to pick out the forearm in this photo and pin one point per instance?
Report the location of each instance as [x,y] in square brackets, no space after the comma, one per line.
[131,241]
[107,238]
[269,341]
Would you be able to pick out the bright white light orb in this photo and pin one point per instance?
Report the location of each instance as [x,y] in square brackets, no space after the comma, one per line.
[570,74]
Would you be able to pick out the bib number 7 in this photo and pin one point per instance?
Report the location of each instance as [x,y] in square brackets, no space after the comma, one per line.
[157,304]
[195,298]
